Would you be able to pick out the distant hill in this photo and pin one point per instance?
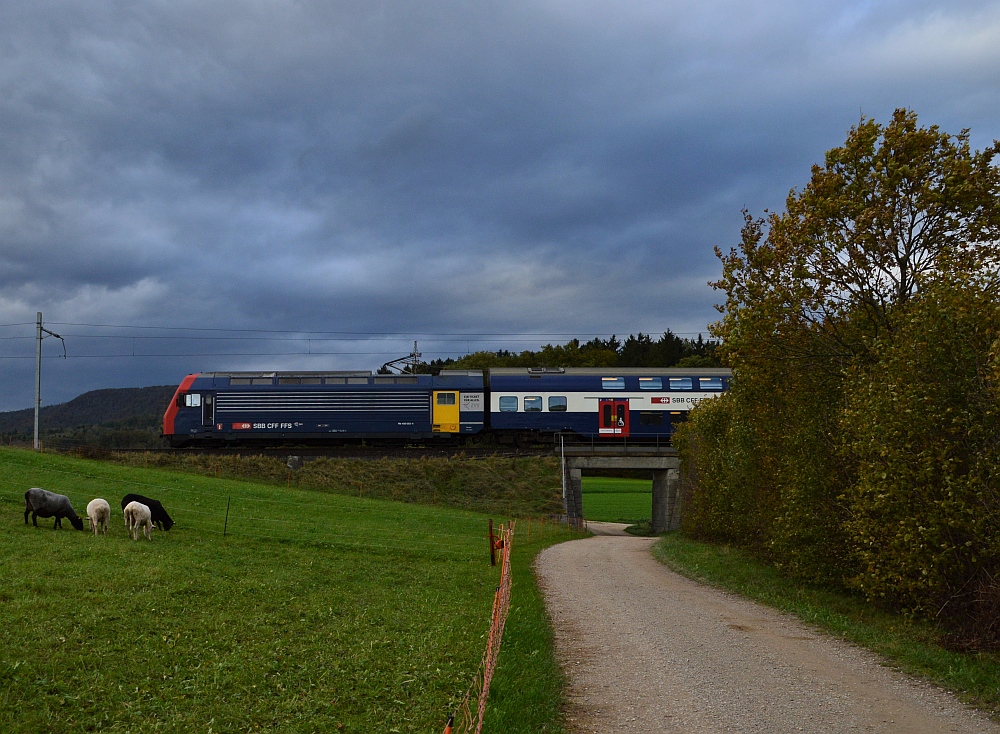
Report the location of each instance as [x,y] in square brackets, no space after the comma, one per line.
[124,407]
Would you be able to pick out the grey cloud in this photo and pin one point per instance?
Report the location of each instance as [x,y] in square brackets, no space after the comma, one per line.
[427,167]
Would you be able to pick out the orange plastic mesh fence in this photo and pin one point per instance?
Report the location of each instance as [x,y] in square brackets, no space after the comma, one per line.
[469,721]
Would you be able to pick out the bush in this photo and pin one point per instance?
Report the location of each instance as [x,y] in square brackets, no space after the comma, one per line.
[922,424]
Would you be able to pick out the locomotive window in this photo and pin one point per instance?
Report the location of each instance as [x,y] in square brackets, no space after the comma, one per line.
[335,380]
[192,400]
[651,417]
[710,383]
[557,404]
[532,403]
[680,383]
[650,383]
[508,404]
[312,380]
[239,380]
[613,383]
[261,380]
[289,380]
[357,380]
[446,398]
[406,380]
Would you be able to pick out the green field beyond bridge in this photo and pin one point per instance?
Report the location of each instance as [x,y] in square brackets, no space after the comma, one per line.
[609,499]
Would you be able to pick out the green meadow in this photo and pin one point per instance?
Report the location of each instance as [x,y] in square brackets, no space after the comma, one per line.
[609,499]
[298,611]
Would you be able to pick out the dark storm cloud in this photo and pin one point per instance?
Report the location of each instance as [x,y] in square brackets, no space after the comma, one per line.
[422,168]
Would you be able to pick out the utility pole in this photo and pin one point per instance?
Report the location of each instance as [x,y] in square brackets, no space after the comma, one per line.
[40,333]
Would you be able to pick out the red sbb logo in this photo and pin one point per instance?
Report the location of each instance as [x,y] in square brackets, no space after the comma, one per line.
[660,401]
[242,426]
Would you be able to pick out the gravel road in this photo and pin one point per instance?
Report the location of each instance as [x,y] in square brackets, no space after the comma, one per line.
[646,650]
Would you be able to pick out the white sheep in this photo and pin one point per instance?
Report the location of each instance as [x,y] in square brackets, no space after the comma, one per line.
[137,516]
[98,512]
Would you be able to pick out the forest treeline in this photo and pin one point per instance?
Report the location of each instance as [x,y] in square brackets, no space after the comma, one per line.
[640,350]
[859,445]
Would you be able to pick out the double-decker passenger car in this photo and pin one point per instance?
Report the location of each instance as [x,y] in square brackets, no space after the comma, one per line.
[637,403]
[324,407]
[512,404]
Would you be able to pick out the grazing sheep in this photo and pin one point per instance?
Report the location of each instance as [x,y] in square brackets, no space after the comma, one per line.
[137,516]
[160,517]
[42,503]
[99,512]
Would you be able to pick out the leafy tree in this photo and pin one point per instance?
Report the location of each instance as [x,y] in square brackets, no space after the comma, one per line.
[860,431]
[892,207]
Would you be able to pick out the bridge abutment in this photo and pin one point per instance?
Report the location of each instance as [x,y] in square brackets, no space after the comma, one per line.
[663,462]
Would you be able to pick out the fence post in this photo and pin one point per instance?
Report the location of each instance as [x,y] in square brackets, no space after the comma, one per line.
[226,526]
[493,547]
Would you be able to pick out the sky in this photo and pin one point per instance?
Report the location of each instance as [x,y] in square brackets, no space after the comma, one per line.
[199,186]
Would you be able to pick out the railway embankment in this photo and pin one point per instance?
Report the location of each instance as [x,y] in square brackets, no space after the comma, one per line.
[509,486]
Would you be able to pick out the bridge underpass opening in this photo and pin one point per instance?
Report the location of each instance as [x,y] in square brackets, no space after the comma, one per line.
[611,497]
[662,463]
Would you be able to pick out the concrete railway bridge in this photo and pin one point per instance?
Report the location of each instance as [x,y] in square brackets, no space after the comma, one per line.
[661,460]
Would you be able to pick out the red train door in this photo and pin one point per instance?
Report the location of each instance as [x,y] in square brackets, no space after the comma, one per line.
[613,417]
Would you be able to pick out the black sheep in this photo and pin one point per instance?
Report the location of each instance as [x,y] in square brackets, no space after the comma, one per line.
[42,503]
[160,517]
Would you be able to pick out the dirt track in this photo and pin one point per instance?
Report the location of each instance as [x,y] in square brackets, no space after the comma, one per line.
[647,650]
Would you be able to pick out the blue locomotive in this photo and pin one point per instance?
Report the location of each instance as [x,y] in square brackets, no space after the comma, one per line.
[511,404]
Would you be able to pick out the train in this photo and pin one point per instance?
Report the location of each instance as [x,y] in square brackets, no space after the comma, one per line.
[506,405]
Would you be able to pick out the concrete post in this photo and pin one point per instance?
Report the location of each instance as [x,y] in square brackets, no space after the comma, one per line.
[666,500]
[673,499]
[574,492]
[661,511]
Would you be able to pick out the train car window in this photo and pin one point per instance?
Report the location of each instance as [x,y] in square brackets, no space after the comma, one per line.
[508,404]
[613,383]
[261,380]
[406,380]
[385,380]
[239,380]
[650,383]
[335,380]
[312,380]
[192,400]
[557,403]
[532,403]
[681,383]
[357,380]
[289,380]
[710,383]
[446,398]
[650,417]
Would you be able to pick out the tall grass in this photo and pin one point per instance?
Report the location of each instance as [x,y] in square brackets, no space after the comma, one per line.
[307,612]
[517,487]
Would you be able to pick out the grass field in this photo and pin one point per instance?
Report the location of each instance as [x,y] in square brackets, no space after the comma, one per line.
[305,612]
[607,499]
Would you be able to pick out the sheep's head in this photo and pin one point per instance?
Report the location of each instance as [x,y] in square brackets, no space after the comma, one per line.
[77,523]
[167,524]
